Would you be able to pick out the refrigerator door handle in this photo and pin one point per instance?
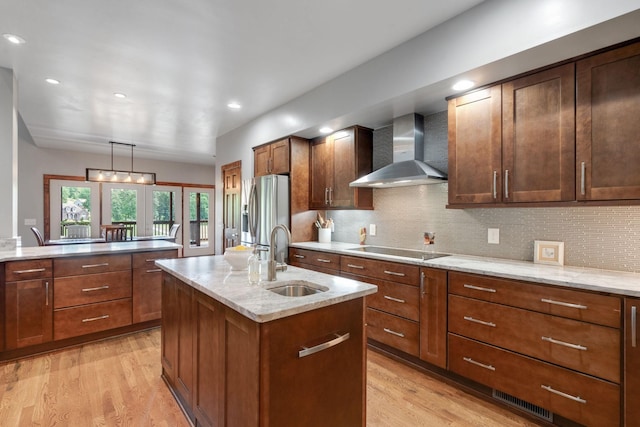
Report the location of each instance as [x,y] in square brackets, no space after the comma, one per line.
[252,211]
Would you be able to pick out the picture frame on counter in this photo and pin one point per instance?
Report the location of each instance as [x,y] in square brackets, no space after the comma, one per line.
[548,252]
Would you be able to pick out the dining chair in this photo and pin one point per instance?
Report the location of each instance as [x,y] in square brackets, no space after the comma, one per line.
[173,233]
[39,236]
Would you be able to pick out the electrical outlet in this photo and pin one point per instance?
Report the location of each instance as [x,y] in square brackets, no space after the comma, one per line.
[493,236]
[372,229]
[29,221]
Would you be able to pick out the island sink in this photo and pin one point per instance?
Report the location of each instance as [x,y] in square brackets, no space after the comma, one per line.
[297,288]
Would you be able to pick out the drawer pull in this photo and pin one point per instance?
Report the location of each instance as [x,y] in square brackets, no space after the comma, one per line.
[564,304]
[93,319]
[99,288]
[634,325]
[299,256]
[394,273]
[323,260]
[482,322]
[31,270]
[102,264]
[559,393]
[398,334]
[482,365]
[46,290]
[479,288]
[566,344]
[394,299]
[150,260]
[155,270]
[306,351]
[360,267]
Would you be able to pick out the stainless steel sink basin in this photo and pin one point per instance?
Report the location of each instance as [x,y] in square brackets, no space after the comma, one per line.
[296,288]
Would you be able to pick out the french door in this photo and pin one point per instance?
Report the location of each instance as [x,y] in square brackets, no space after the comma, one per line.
[197,233]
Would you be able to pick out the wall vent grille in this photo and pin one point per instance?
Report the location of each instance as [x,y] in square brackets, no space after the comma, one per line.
[523,405]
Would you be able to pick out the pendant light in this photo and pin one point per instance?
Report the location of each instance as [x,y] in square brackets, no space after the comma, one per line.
[119,176]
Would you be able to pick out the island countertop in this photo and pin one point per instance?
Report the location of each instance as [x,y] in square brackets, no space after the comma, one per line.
[213,276]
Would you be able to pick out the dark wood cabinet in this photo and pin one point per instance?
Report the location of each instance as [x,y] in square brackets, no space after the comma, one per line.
[607,127]
[337,160]
[28,303]
[433,316]
[632,362]
[147,285]
[271,158]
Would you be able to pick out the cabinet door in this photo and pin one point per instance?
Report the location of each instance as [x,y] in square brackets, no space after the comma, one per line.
[147,294]
[184,374]
[632,363]
[321,173]
[475,142]
[261,160]
[280,157]
[607,127]
[169,330]
[29,313]
[538,137]
[433,316]
[344,170]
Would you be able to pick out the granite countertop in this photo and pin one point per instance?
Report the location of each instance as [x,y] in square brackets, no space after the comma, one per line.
[213,276]
[59,251]
[609,281]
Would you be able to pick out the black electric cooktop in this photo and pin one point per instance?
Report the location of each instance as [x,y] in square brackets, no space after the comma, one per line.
[407,253]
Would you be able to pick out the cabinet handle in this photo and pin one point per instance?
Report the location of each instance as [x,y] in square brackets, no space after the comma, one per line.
[564,304]
[326,195]
[103,264]
[31,270]
[422,276]
[298,256]
[360,267]
[394,299]
[583,177]
[559,393]
[482,322]
[330,196]
[150,260]
[398,334]
[634,325]
[99,288]
[323,260]
[482,365]
[506,183]
[393,273]
[566,344]
[495,184]
[155,270]
[46,290]
[93,319]
[478,288]
[306,351]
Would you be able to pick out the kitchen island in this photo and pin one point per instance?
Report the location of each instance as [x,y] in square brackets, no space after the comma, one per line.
[240,354]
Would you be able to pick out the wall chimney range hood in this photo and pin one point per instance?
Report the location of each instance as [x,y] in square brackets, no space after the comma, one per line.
[407,167]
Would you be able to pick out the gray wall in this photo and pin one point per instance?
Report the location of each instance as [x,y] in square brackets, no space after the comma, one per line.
[599,237]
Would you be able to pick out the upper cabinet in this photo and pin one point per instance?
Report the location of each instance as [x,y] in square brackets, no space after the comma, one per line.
[337,160]
[272,158]
[564,134]
[608,125]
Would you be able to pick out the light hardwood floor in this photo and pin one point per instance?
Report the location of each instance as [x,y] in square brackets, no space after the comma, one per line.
[117,382]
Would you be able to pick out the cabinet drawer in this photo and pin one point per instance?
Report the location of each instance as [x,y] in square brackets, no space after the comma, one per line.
[385,270]
[90,264]
[579,305]
[86,319]
[582,346]
[582,398]
[27,270]
[394,298]
[147,259]
[91,288]
[321,259]
[395,331]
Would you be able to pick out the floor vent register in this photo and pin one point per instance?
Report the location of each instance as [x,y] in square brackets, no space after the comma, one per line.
[532,409]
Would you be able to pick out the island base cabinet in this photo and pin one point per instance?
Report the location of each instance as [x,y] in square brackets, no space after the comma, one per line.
[632,363]
[587,400]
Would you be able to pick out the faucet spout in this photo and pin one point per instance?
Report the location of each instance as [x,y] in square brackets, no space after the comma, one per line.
[272,265]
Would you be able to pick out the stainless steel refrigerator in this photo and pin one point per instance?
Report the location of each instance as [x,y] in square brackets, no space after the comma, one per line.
[267,206]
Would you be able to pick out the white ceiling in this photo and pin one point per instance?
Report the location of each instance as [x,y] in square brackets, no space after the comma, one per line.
[181,62]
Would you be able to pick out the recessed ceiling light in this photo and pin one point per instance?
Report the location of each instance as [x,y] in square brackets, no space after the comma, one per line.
[52,81]
[13,38]
[119,95]
[234,105]
[326,130]
[463,85]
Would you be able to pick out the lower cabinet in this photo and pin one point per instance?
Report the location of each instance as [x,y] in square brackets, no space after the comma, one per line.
[245,373]
[632,362]
[433,316]
[147,285]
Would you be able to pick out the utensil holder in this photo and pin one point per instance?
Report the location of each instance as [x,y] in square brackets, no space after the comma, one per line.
[324,235]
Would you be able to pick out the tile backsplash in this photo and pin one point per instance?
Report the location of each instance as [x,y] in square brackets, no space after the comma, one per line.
[606,237]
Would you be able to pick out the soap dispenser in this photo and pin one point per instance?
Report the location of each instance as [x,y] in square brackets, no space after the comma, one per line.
[253,264]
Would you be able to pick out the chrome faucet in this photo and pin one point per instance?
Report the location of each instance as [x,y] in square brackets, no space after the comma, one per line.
[273,265]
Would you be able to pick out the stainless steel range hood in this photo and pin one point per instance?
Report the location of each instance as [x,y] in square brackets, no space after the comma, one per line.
[407,167]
